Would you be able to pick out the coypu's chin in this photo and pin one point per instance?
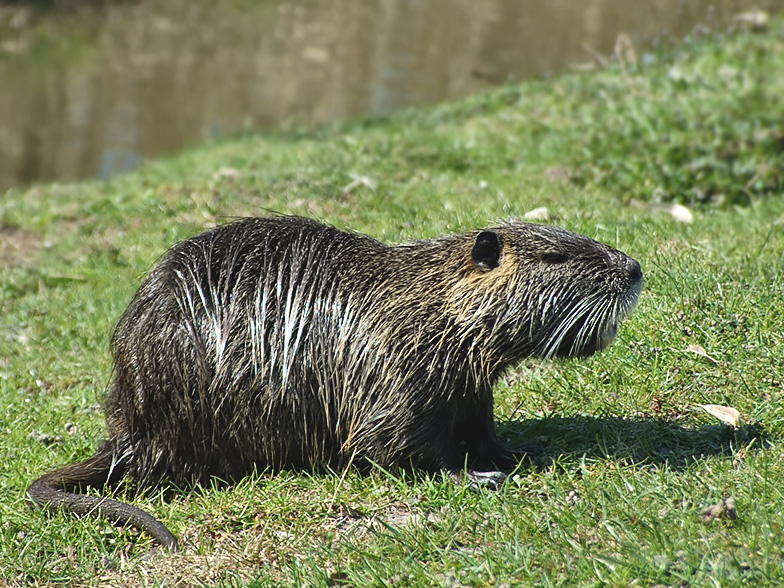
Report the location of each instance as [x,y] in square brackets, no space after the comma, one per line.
[589,332]
[606,338]
[594,344]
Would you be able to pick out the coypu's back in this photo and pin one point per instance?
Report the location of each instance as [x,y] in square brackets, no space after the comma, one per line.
[281,342]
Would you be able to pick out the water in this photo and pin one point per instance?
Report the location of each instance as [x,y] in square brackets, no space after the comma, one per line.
[90,89]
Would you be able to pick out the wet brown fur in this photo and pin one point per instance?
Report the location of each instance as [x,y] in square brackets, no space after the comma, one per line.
[281,342]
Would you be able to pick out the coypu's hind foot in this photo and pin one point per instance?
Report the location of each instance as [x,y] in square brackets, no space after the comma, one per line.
[497,461]
[60,490]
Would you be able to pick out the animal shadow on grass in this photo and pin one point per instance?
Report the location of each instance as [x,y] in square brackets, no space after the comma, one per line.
[631,440]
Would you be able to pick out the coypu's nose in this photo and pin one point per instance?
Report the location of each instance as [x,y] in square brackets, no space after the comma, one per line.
[633,270]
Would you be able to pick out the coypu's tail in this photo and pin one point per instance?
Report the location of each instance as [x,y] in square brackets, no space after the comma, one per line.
[60,489]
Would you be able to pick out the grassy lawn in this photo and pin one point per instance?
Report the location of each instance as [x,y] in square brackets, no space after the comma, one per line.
[631,460]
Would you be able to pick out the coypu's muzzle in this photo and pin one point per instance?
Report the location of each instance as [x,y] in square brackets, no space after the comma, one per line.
[590,324]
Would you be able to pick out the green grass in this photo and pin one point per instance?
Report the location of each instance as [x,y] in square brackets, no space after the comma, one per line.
[631,459]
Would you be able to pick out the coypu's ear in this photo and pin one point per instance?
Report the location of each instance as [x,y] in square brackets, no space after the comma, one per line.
[486,252]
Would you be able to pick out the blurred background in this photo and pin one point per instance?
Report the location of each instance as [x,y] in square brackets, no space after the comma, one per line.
[92,88]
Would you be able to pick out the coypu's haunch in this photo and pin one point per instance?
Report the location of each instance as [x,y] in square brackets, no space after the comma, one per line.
[282,342]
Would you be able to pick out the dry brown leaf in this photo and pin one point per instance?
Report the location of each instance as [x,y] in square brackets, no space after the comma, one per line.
[725,414]
[678,212]
[723,509]
[700,350]
[537,214]
[227,172]
[359,180]
[681,214]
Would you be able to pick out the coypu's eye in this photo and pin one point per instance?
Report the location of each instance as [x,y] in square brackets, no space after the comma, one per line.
[554,258]
[486,252]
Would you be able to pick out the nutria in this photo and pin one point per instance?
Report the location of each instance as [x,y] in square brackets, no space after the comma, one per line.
[281,342]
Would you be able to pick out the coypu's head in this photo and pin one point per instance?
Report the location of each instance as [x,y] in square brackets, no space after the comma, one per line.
[563,294]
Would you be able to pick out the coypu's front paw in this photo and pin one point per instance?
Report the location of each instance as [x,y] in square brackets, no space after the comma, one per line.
[491,480]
